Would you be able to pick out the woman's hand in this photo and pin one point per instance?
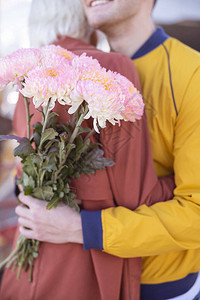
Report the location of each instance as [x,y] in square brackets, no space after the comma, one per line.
[57,225]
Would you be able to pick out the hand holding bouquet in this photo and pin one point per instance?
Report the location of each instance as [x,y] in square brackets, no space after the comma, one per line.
[56,152]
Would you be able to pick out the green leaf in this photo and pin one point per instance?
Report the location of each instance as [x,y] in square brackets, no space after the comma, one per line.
[69,169]
[61,194]
[52,119]
[50,158]
[48,134]
[62,150]
[61,184]
[27,181]
[91,161]
[28,190]
[53,202]
[51,145]
[36,159]
[72,196]
[37,133]
[29,167]
[37,137]
[24,148]
[95,159]
[10,137]
[82,148]
[66,189]
[43,193]
[83,130]
[37,127]
[67,128]
[35,254]
[50,167]
[72,203]
[69,148]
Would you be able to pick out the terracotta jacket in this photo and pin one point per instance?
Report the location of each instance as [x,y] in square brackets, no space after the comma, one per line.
[66,271]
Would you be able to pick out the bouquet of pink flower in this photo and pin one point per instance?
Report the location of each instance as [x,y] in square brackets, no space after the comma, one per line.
[56,152]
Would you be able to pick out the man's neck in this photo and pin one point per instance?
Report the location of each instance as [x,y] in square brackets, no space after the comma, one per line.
[127,39]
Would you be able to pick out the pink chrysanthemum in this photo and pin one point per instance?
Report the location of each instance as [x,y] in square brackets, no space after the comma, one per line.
[110,96]
[103,95]
[55,55]
[15,67]
[133,104]
[85,65]
[54,83]
[3,83]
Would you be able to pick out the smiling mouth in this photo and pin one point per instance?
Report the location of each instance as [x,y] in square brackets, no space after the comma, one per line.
[98,2]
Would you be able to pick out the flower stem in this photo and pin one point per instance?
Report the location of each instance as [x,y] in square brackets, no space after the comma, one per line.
[76,129]
[27,102]
[46,114]
[78,124]
[20,241]
[5,261]
[23,256]
[92,131]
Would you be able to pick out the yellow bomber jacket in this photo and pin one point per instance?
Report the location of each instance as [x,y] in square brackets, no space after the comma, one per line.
[167,234]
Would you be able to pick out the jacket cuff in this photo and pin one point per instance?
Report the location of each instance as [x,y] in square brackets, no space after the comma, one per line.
[92,230]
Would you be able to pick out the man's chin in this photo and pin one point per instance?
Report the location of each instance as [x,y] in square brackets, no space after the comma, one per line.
[96,25]
[99,24]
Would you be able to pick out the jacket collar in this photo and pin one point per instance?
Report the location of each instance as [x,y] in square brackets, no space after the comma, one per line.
[155,40]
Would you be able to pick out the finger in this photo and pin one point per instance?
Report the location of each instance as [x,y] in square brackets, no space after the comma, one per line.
[22,211]
[20,188]
[27,233]
[25,199]
[27,224]
[30,201]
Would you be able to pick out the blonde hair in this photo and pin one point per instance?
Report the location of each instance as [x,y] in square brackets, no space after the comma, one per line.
[49,19]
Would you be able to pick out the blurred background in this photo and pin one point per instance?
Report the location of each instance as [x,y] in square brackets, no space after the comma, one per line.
[180,18]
